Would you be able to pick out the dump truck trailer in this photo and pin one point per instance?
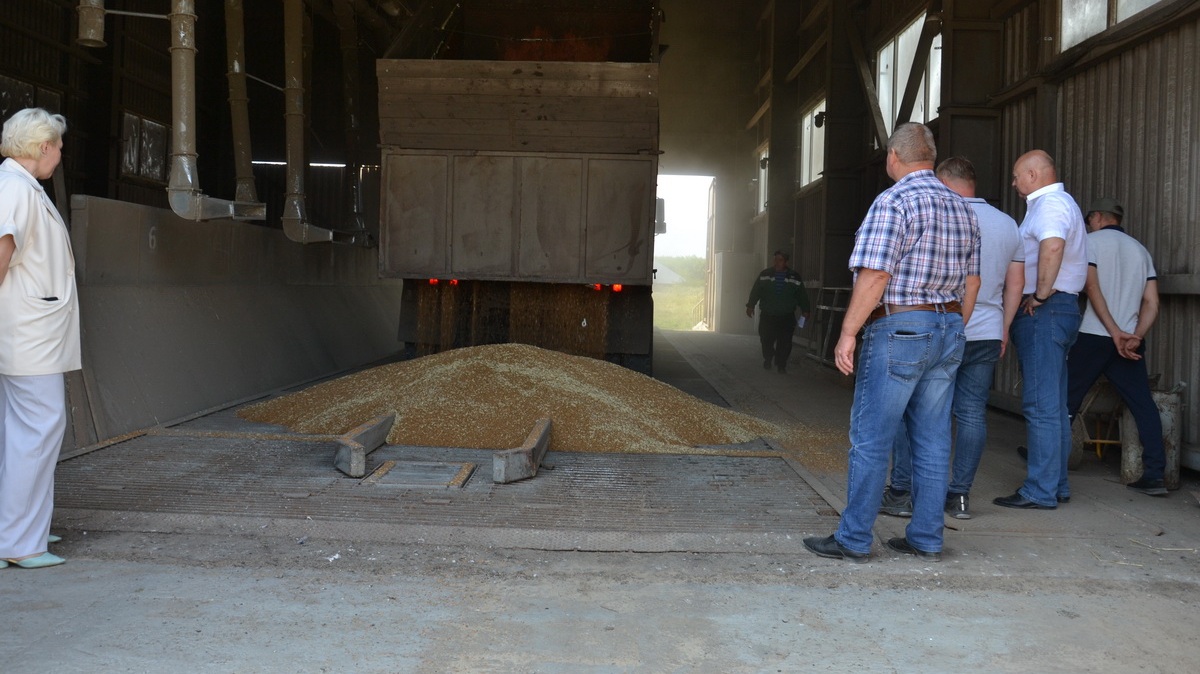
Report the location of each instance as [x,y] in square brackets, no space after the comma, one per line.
[518,203]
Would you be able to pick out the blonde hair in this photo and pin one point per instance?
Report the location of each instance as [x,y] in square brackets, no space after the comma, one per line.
[27,129]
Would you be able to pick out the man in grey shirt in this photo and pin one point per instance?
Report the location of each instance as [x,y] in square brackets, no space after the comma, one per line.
[1122,292]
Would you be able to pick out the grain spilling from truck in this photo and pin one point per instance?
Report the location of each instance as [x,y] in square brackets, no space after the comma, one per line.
[489,397]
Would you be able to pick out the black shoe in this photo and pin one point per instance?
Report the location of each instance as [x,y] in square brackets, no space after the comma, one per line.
[1064,499]
[1018,501]
[767,364]
[958,506]
[1148,487]
[782,370]
[829,547]
[1023,452]
[896,504]
[902,545]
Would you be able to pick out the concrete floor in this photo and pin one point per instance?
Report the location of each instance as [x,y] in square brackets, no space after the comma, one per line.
[1107,583]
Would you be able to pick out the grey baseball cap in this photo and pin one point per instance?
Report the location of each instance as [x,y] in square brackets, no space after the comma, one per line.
[1107,205]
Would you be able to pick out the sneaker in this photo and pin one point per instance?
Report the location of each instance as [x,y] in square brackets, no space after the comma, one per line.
[1148,487]
[896,505]
[958,506]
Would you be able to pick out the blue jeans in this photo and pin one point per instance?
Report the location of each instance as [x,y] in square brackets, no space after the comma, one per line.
[1093,355]
[906,370]
[972,385]
[1042,342]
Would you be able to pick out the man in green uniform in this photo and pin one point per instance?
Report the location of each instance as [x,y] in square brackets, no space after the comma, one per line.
[778,290]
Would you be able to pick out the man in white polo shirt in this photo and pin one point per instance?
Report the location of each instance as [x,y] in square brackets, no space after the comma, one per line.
[1122,295]
[1054,243]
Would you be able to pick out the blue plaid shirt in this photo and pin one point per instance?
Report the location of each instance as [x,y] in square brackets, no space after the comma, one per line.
[922,234]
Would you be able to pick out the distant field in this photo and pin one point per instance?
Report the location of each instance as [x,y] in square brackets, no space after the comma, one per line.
[675,303]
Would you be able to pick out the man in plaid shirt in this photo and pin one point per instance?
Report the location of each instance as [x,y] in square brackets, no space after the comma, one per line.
[916,266]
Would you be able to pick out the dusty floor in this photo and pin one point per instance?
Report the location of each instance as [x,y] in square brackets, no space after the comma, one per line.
[1107,583]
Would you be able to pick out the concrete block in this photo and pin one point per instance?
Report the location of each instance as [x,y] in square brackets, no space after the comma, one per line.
[520,463]
[1169,405]
[354,446]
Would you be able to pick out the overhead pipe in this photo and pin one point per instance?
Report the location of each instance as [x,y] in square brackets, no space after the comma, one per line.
[183,183]
[239,101]
[91,24]
[183,191]
[352,88]
[295,216]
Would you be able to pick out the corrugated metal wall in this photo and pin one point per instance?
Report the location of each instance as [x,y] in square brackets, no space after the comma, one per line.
[810,247]
[1127,127]
[1017,122]
[810,236]
[1021,36]
[1130,129]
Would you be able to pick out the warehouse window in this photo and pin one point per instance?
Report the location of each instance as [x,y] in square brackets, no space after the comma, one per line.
[1081,19]
[143,148]
[894,64]
[810,155]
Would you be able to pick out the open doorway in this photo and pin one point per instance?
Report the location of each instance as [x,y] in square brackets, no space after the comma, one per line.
[681,253]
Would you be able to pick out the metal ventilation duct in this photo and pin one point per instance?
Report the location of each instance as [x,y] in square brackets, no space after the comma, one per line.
[183,183]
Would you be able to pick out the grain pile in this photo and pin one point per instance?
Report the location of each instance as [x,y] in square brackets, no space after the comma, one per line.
[489,397]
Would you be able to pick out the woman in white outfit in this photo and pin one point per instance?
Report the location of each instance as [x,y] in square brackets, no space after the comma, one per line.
[39,335]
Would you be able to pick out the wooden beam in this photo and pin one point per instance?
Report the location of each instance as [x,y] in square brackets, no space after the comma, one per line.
[1019,90]
[762,110]
[809,55]
[868,83]
[933,25]
[764,81]
[813,14]
[1179,284]
[1006,8]
[768,11]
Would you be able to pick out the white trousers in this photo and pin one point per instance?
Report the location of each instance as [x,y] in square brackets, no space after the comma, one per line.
[33,418]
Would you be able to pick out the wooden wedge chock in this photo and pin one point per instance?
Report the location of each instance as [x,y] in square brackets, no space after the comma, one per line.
[355,445]
[520,463]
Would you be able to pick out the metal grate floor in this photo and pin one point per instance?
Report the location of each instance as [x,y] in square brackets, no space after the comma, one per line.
[221,469]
